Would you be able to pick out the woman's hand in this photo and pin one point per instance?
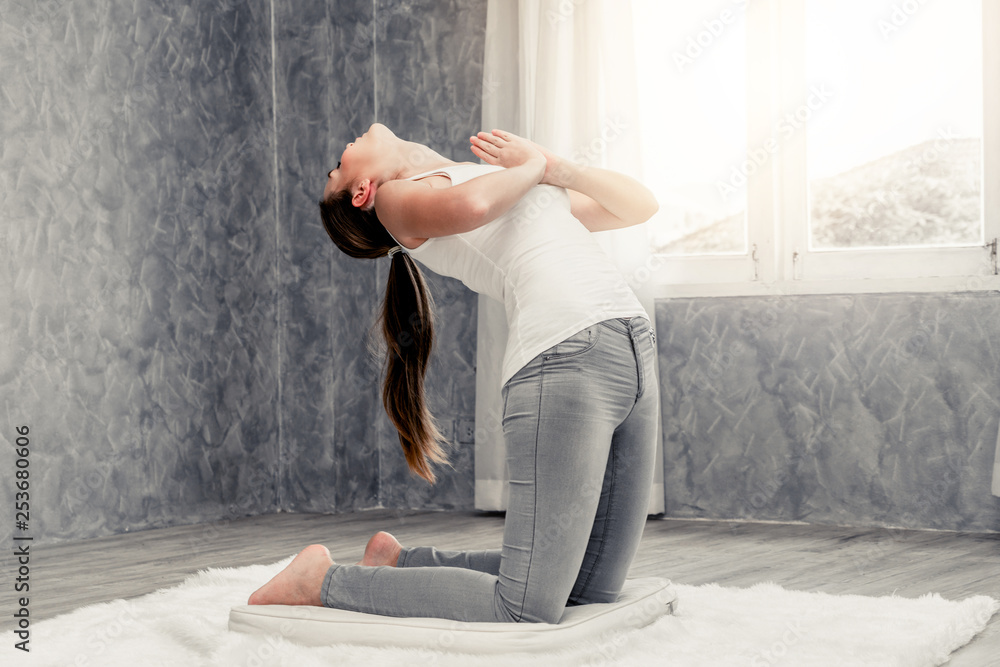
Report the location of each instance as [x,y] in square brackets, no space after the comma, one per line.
[555,169]
[507,150]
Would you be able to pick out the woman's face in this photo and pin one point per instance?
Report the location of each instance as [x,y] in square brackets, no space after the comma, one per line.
[359,159]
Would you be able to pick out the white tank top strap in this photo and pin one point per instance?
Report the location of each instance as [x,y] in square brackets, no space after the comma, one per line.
[449,171]
[427,173]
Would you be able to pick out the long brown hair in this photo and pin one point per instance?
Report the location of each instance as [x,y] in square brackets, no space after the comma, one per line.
[407,318]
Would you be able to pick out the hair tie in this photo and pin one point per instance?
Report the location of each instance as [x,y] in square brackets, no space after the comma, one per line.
[393,250]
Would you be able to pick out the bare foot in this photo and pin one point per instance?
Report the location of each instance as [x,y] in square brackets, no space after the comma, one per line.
[300,582]
[382,549]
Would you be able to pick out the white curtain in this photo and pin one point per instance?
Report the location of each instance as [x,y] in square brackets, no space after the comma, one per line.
[562,74]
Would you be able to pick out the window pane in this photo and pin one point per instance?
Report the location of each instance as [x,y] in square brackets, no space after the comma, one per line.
[894,139]
[692,97]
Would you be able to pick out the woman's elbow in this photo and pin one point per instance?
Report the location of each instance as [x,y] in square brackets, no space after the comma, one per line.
[478,211]
[645,211]
[652,207]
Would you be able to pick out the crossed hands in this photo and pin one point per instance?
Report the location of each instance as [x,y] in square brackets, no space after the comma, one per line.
[509,150]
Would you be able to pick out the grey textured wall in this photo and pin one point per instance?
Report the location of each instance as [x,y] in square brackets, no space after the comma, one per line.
[137,279]
[183,347]
[864,410]
[424,77]
[325,97]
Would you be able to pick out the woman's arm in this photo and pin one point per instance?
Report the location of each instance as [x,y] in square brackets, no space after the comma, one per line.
[417,210]
[599,198]
[603,199]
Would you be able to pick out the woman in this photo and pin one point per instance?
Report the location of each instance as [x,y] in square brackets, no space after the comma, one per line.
[579,399]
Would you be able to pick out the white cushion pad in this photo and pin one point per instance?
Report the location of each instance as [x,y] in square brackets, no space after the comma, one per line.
[641,602]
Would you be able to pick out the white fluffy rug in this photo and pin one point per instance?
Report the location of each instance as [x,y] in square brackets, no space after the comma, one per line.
[761,626]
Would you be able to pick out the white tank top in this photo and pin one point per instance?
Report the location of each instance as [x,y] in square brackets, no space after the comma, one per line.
[552,276]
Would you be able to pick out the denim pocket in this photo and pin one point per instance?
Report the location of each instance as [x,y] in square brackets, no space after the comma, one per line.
[578,343]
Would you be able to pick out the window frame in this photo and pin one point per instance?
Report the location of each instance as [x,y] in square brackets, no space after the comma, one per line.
[779,260]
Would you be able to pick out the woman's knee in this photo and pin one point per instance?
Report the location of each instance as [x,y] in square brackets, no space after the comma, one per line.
[548,613]
[530,610]
[594,597]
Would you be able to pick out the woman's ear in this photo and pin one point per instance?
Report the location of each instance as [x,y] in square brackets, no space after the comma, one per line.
[364,195]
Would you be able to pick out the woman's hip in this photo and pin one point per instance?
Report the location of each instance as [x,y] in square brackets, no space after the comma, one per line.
[609,362]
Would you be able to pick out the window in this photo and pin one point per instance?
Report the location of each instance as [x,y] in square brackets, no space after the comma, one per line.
[894,157]
[696,54]
[821,145]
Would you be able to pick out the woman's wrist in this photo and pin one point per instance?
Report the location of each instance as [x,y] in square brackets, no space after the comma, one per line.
[561,172]
[533,169]
[539,165]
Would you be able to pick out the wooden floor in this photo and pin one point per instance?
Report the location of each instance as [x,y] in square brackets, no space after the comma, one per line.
[811,558]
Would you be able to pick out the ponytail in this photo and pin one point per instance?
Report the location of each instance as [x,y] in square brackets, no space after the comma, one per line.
[407,323]
[408,328]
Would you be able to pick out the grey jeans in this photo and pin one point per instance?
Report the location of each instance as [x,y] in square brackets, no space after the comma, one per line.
[579,422]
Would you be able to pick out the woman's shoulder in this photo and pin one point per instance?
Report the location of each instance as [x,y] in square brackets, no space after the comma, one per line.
[420,206]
